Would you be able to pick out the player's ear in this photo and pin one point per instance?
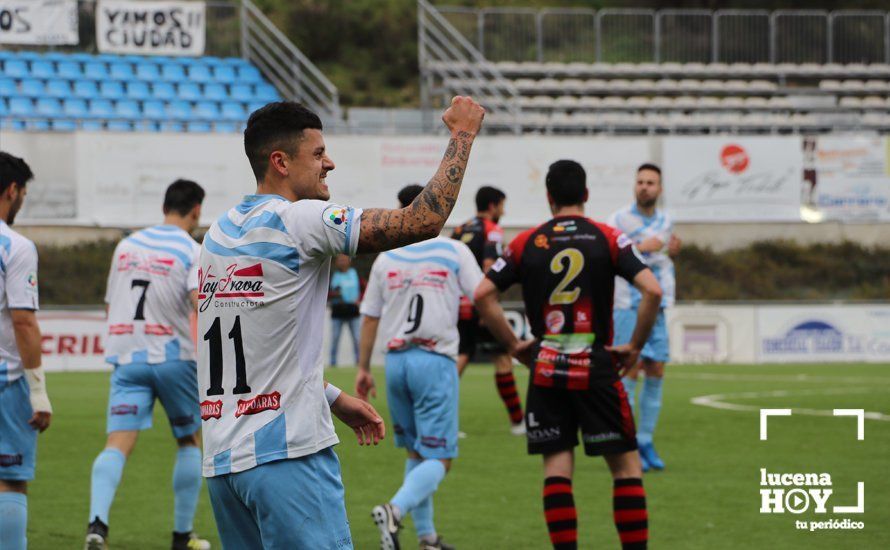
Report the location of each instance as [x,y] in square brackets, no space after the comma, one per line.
[586,195]
[278,163]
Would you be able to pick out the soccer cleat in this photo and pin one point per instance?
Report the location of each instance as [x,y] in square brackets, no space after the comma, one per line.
[438,545]
[385,518]
[97,533]
[518,428]
[189,541]
[650,456]
[643,461]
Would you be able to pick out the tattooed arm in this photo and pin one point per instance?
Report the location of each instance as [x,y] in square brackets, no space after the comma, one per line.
[383,229]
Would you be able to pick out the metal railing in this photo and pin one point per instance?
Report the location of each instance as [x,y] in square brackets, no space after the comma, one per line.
[677,35]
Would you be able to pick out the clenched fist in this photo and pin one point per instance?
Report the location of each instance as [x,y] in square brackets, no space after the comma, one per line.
[464,115]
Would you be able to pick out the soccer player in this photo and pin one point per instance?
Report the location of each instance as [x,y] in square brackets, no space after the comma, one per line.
[24,404]
[567,269]
[415,292]
[151,294]
[274,478]
[651,229]
[486,240]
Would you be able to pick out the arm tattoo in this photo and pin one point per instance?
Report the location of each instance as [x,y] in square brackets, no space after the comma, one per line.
[383,229]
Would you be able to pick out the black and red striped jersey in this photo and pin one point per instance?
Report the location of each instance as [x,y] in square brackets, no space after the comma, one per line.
[484,237]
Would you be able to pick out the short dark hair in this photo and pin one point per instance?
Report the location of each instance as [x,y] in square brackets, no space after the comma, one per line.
[649,166]
[566,183]
[182,196]
[13,170]
[409,193]
[277,126]
[488,195]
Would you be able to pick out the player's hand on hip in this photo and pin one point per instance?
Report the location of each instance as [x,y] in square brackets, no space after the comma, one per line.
[361,417]
[674,245]
[626,357]
[40,421]
[524,352]
[464,115]
[364,384]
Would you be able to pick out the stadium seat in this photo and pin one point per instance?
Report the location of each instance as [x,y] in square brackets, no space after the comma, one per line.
[241,92]
[119,126]
[173,72]
[86,89]
[49,107]
[58,88]
[138,90]
[188,91]
[8,87]
[37,125]
[153,109]
[266,92]
[11,124]
[163,90]
[254,105]
[42,69]
[249,73]
[64,125]
[95,70]
[148,71]
[215,92]
[228,127]
[15,68]
[101,108]
[180,110]
[76,108]
[111,89]
[121,71]
[92,125]
[145,126]
[232,111]
[199,73]
[206,110]
[127,109]
[32,87]
[171,126]
[199,127]
[4,110]
[224,74]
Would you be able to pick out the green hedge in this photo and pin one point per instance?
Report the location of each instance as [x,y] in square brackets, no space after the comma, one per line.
[774,270]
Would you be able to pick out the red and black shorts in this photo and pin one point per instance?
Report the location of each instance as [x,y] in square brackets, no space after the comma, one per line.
[553,417]
[473,335]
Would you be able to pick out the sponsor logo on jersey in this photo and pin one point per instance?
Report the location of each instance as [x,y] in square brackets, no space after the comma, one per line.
[123,410]
[7,461]
[32,279]
[335,217]
[211,409]
[467,237]
[158,330]
[541,241]
[120,328]
[154,264]
[257,404]
[237,283]
[499,264]
[565,226]
[555,320]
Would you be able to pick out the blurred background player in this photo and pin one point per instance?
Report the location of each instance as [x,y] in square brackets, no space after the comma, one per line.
[652,231]
[273,476]
[486,240]
[24,404]
[567,269]
[151,295]
[346,290]
[415,292]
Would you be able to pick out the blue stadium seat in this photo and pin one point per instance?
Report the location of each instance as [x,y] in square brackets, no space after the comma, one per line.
[189,91]
[55,57]
[64,125]
[138,90]
[215,92]
[95,70]
[206,110]
[11,124]
[148,71]
[4,110]
[101,108]
[50,107]
[249,73]
[38,125]
[42,69]
[58,88]
[241,92]
[128,109]
[86,89]
[233,61]
[224,74]
[121,71]
[233,111]
[28,55]
[32,87]
[254,105]
[75,108]
[15,68]
[200,73]
[153,109]
[266,92]
[163,90]
[120,126]
[199,127]
[82,57]
[173,72]
[111,89]
[8,87]
[180,110]
[69,70]
[145,126]
[228,127]
[92,125]
[170,126]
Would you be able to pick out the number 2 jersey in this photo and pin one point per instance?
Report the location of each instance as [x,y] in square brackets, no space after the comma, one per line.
[18,290]
[148,297]
[567,269]
[416,291]
[263,284]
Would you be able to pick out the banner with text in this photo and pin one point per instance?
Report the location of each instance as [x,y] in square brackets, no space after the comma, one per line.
[151,28]
[38,22]
[732,178]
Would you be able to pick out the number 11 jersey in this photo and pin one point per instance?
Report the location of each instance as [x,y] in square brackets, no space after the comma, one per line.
[262,294]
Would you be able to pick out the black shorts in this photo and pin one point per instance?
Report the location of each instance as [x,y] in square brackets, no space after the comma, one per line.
[473,335]
[553,417]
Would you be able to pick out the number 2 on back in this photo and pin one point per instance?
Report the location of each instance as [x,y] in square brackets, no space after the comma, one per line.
[561,296]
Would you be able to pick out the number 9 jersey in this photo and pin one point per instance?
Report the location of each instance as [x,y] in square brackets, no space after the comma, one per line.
[263,282]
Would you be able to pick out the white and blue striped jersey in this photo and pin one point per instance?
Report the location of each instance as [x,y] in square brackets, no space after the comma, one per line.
[18,290]
[638,228]
[263,277]
[148,297]
[415,291]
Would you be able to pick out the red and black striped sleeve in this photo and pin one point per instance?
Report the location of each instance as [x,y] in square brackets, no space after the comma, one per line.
[506,271]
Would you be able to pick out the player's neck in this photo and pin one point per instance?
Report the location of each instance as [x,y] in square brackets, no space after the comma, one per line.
[270,188]
[483,215]
[647,211]
[574,210]
[4,212]
[178,221]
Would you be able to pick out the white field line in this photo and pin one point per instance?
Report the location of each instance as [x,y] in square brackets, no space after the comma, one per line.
[775,378]
[722,401]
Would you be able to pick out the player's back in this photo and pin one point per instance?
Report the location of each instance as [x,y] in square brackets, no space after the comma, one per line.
[483,236]
[148,297]
[263,280]
[416,291]
[18,289]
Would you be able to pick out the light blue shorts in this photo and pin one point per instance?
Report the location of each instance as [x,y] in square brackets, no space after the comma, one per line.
[135,386]
[18,440]
[657,347]
[422,393]
[283,505]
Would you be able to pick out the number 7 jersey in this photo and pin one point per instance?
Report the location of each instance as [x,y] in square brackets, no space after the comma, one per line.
[263,280]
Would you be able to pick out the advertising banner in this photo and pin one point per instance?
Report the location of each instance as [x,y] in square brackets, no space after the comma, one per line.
[151,28]
[38,22]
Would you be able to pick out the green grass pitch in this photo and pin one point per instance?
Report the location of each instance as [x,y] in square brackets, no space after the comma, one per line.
[707,498]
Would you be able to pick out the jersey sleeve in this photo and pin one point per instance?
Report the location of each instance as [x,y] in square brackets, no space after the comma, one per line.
[112,274]
[191,280]
[372,302]
[628,262]
[505,270]
[21,276]
[470,275]
[322,228]
[494,243]
[665,229]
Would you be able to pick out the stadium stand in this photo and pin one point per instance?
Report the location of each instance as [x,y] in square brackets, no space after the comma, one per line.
[65,92]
